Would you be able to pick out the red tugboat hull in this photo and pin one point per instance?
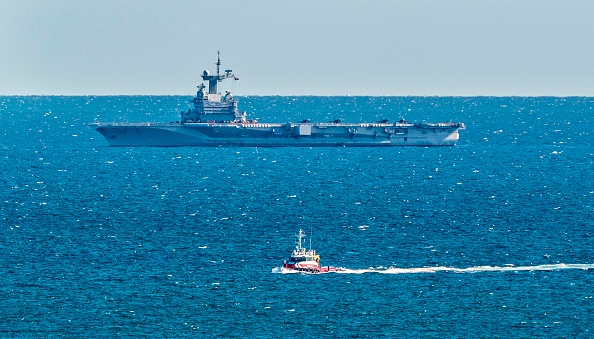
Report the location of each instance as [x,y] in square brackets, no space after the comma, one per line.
[311,269]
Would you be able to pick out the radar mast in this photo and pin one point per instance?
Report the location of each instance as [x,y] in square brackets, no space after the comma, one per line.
[214,79]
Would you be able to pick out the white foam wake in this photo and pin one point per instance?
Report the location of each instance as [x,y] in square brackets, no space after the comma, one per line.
[280,270]
[474,269]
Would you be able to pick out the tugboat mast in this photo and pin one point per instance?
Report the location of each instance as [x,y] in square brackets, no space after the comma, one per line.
[300,238]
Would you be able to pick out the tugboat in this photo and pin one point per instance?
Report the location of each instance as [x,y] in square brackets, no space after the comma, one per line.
[305,260]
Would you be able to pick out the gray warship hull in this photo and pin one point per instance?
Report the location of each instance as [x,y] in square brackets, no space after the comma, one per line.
[279,135]
[215,120]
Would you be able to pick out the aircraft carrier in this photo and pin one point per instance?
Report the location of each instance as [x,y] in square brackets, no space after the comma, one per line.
[215,120]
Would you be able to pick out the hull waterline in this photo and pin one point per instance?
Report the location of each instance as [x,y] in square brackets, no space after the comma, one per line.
[279,135]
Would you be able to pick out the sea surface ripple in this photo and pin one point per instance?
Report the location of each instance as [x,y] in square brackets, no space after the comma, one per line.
[491,238]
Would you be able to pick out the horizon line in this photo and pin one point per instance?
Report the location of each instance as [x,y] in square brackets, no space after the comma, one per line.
[312,95]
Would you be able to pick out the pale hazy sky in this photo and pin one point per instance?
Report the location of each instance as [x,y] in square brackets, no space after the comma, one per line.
[380,47]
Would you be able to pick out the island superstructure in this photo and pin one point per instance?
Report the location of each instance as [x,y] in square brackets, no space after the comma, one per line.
[215,120]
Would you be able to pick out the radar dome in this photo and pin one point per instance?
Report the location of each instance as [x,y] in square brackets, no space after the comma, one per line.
[205,73]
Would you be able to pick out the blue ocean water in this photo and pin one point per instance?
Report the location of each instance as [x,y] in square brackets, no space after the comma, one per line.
[491,238]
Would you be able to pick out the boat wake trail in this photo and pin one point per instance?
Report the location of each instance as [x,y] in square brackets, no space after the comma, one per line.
[474,269]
